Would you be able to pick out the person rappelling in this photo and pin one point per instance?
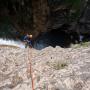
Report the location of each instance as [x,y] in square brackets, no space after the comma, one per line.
[28,40]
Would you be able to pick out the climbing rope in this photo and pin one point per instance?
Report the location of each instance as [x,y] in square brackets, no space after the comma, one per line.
[30,67]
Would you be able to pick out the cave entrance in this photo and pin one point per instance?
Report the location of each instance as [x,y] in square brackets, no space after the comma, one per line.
[53,38]
[60,37]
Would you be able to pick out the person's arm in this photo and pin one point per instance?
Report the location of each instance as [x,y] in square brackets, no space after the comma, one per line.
[25,39]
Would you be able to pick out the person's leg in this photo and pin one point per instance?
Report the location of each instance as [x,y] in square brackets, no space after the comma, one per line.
[26,45]
[30,44]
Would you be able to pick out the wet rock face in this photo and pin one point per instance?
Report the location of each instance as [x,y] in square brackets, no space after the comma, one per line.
[64,12]
[76,15]
[84,21]
[69,15]
[35,17]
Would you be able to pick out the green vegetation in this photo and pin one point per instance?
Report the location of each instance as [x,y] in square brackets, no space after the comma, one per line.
[75,6]
[74,3]
[57,65]
[82,44]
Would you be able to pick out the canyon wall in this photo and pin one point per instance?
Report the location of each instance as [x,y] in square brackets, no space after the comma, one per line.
[38,16]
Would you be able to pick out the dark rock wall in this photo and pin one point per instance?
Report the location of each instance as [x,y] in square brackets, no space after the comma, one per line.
[84,21]
[38,16]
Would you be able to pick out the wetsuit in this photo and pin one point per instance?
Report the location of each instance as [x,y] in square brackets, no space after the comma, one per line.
[28,40]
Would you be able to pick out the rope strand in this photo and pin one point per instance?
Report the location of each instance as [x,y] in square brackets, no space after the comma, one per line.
[30,67]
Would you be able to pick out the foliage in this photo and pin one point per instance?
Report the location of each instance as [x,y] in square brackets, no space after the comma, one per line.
[75,6]
[57,65]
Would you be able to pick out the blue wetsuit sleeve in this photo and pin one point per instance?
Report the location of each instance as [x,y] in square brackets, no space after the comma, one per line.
[25,38]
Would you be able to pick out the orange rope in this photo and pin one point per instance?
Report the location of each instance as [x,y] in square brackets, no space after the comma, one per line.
[30,66]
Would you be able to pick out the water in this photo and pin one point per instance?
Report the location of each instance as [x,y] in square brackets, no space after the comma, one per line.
[8,34]
[12,43]
[81,38]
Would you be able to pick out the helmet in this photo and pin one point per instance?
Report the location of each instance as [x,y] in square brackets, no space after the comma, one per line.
[30,36]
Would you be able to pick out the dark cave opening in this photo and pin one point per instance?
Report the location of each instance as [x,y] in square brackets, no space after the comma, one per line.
[56,37]
[53,38]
